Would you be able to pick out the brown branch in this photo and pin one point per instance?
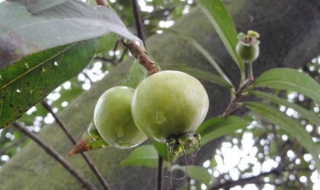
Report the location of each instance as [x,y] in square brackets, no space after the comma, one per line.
[253,179]
[137,19]
[13,145]
[141,56]
[73,140]
[86,184]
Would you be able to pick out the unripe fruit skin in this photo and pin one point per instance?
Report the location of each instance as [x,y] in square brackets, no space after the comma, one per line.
[169,103]
[113,118]
[248,53]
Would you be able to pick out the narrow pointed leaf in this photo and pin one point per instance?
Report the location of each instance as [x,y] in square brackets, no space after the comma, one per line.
[197,173]
[219,126]
[223,24]
[62,24]
[199,74]
[289,79]
[145,155]
[30,80]
[310,115]
[287,124]
[203,51]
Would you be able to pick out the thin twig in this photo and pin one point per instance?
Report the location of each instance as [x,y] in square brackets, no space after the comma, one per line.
[138,20]
[13,145]
[253,179]
[86,184]
[159,177]
[73,140]
[231,108]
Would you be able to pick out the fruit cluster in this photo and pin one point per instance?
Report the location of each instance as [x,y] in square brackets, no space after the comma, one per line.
[167,106]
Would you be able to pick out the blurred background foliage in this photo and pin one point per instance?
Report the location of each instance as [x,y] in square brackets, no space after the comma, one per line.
[262,153]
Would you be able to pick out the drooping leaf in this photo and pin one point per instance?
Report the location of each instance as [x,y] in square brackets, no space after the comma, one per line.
[35,6]
[63,24]
[197,173]
[145,155]
[199,74]
[30,80]
[302,111]
[289,79]
[219,126]
[223,24]
[203,51]
[289,125]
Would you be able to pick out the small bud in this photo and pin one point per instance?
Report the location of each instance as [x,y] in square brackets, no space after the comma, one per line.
[248,46]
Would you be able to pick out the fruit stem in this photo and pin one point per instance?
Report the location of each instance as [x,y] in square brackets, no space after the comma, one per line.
[141,56]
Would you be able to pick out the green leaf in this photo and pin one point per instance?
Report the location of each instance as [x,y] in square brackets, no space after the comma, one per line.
[289,125]
[219,126]
[35,6]
[203,51]
[70,22]
[30,80]
[311,116]
[145,155]
[223,24]
[289,79]
[197,173]
[163,151]
[136,74]
[107,42]
[199,74]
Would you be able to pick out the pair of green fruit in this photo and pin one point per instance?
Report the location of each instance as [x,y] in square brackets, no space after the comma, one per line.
[167,106]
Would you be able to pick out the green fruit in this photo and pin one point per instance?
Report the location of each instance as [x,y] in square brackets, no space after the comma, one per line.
[113,119]
[248,46]
[168,105]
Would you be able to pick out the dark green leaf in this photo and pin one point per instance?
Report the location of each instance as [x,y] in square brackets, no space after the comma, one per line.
[145,155]
[289,125]
[63,24]
[302,111]
[219,126]
[289,79]
[222,22]
[30,80]
[199,74]
[197,173]
[203,51]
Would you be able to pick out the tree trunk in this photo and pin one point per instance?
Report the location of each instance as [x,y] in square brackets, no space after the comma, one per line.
[289,30]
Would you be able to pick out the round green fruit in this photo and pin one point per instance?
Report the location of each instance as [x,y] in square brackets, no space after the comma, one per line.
[113,118]
[168,105]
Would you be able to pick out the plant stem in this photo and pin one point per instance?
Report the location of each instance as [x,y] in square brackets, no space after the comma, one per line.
[142,57]
[159,177]
[86,184]
[74,142]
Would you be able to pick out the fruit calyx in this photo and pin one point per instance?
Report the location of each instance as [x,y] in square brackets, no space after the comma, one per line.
[179,143]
